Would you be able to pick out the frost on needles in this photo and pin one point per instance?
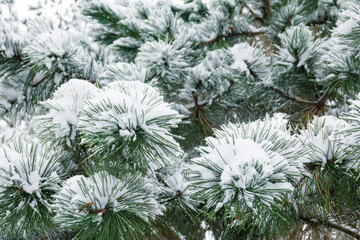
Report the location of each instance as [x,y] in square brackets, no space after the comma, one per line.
[176,120]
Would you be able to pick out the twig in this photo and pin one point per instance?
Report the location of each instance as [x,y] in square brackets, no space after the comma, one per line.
[291,98]
[319,104]
[267,9]
[345,229]
[253,13]
[39,82]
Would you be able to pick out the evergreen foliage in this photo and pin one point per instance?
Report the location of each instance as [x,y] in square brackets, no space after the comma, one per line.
[150,119]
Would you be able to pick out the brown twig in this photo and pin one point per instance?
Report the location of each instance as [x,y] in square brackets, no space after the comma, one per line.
[319,104]
[18,58]
[298,100]
[39,82]
[345,229]
[267,9]
[253,13]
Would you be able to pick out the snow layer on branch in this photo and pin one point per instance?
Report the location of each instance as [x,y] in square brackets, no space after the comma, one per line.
[250,60]
[164,61]
[335,53]
[126,111]
[243,55]
[43,57]
[62,120]
[141,21]
[177,189]
[352,132]
[29,174]
[130,105]
[11,90]
[58,52]
[13,37]
[298,47]
[291,14]
[128,42]
[211,74]
[7,133]
[89,198]
[28,166]
[233,168]
[273,134]
[48,47]
[340,52]
[321,140]
[348,18]
[124,72]
[346,27]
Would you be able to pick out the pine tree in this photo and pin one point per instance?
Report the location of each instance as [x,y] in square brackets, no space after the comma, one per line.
[158,120]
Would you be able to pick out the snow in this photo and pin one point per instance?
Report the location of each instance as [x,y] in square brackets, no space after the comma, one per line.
[346,27]
[209,74]
[165,60]
[57,50]
[297,43]
[241,164]
[11,94]
[81,194]
[351,136]
[124,72]
[272,133]
[33,183]
[348,18]
[129,42]
[179,182]
[131,104]
[65,107]
[33,204]
[9,52]
[21,9]
[140,109]
[245,56]
[125,108]
[27,167]
[322,138]
[304,57]
[57,78]
[242,54]
[38,77]
[178,187]
[128,105]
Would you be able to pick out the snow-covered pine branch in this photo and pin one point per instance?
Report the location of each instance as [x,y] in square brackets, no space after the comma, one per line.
[149,119]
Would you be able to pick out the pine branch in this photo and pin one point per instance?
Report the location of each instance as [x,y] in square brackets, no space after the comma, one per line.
[342,228]
[267,9]
[326,95]
[253,13]
[18,58]
[219,95]
[319,104]
[231,35]
[295,99]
